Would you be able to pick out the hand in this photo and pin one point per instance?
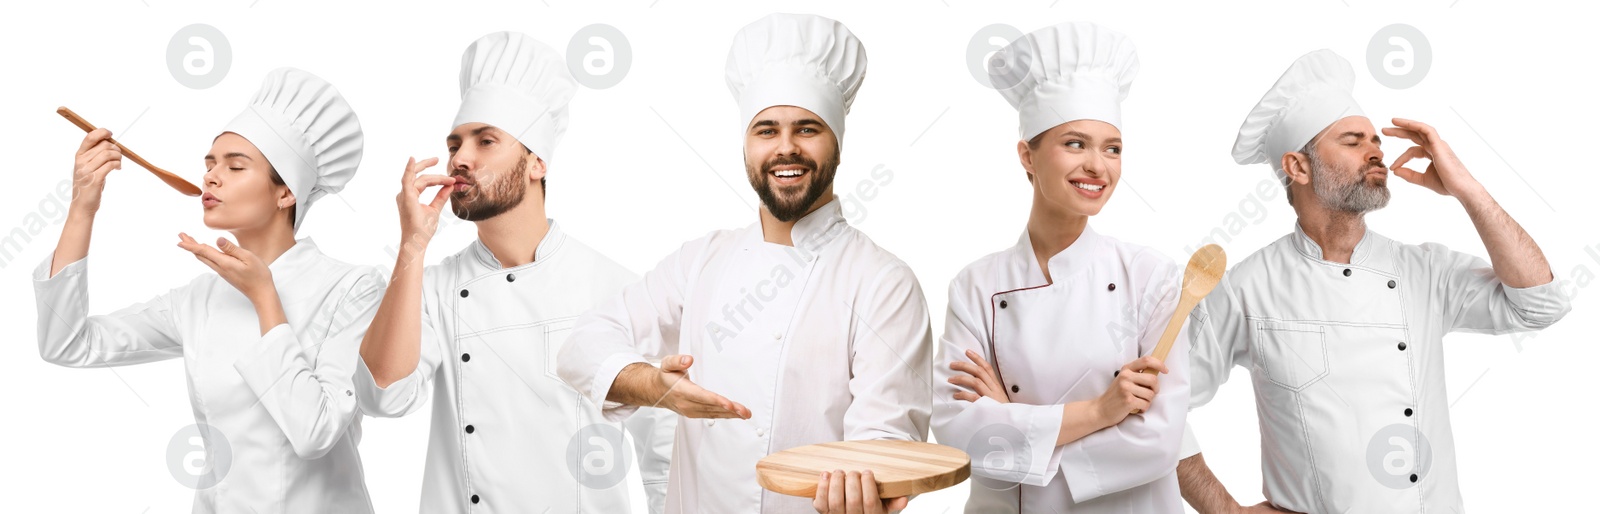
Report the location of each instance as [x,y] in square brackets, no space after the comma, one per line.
[418,221]
[855,492]
[1262,508]
[1131,390]
[238,266]
[979,379]
[1445,173]
[96,157]
[688,399]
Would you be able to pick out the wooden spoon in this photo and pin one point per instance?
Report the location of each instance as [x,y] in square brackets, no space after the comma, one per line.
[172,179]
[1199,278]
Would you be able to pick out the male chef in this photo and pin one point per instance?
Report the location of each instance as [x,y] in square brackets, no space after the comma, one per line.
[1342,329]
[479,331]
[793,330]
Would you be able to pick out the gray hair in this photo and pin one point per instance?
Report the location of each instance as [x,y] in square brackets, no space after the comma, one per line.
[1315,163]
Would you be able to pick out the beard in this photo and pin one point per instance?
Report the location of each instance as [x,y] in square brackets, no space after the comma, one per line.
[483,201]
[1354,196]
[789,203]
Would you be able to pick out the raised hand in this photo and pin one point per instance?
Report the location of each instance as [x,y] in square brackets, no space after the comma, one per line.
[418,220]
[1445,174]
[241,268]
[96,157]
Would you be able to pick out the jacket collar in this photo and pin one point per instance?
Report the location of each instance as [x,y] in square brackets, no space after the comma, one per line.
[1069,261]
[296,259]
[1311,250]
[813,231]
[548,247]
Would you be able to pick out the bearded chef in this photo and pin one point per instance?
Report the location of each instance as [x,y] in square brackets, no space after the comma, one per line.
[1342,328]
[793,330]
[1045,342]
[269,340]
[478,332]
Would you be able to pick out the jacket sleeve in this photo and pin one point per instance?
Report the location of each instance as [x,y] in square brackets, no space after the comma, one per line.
[408,394]
[1218,339]
[69,336]
[653,431]
[891,352]
[1009,442]
[1142,447]
[1477,301]
[305,385]
[641,324]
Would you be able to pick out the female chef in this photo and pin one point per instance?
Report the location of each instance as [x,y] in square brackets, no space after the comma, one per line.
[269,340]
[1045,342]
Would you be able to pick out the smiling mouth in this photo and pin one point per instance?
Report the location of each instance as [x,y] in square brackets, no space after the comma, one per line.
[789,175]
[1093,188]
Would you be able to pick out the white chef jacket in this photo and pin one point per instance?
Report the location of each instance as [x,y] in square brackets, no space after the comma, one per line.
[1059,341]
[504,426]
[281,401]
[1347,364]
[824,341]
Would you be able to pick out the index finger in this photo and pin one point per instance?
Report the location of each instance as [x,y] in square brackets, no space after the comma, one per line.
[1148,362]
[1407,134]
[977,359]
[1414,126]
[711,402]
[94,137]
[413,166]
[427,181]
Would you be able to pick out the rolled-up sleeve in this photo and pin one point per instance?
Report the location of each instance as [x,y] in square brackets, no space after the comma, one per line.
[640,324]
[410,393]
[1477,301]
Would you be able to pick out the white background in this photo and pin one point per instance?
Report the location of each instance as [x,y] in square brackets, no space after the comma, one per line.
[655,161]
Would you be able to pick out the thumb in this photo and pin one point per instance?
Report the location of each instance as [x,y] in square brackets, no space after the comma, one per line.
[231,249]
[677,362]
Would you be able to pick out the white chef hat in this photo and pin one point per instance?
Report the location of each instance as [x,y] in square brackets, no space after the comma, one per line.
[1067,72]
[518,85]
[1314,93]
[306,131]
[801,60]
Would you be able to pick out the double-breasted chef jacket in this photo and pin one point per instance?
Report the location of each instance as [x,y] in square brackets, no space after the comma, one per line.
[824,341]
[1347,364]
[507,436]
[281,402]
[1056,341]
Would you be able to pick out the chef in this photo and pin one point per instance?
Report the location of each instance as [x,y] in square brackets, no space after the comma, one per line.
[793,330]
[268,340]
[478,332]
[1342,328]
[1045,342]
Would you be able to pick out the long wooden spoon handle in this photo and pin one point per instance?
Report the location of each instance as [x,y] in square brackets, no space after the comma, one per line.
[183,186]
[89,127]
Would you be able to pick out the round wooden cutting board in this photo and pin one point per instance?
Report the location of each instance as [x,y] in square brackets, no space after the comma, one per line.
[902,468]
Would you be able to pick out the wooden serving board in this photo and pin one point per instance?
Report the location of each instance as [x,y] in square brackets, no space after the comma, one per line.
[902,468]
